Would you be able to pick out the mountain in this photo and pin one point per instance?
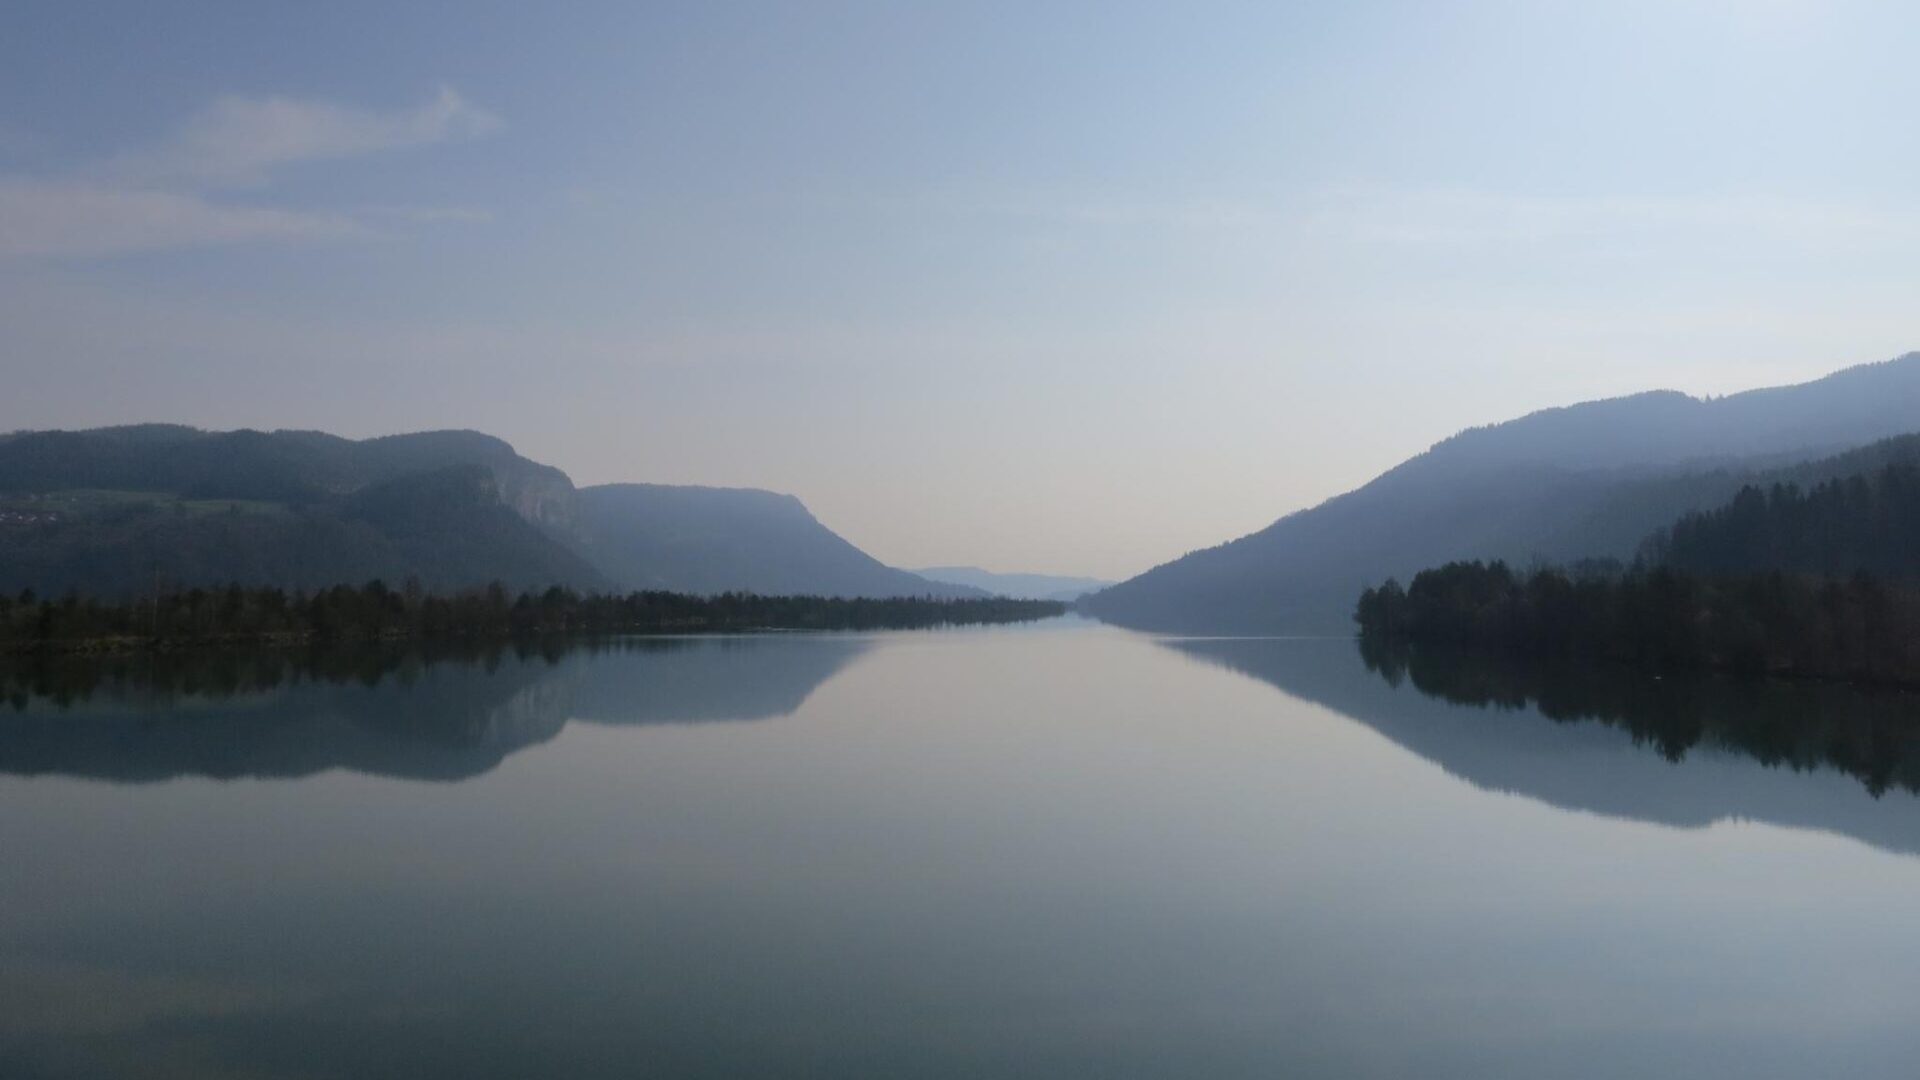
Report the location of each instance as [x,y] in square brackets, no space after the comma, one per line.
[1589,479]
[279,466]
[447,527]
[1865,521]
[109,511]
[462,525]
[710,540]
[1015,586]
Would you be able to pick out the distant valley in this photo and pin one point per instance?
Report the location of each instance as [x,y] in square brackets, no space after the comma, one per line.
[119,511]
[1015,586]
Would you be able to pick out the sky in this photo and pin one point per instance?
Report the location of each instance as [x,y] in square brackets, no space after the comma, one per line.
[1059,287]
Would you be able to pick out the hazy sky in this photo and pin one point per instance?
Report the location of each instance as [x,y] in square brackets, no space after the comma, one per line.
[1055,287]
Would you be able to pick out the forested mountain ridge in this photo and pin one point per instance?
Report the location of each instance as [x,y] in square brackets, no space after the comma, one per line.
[1588,479]
[1621,509]
[446,527]
[1865,523]
[113,510]
[1820,581]
[279,466]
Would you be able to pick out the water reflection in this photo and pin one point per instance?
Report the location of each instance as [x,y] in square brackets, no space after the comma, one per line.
[442,714]
[705,680]
[1007,853]
[1684,752]
[1866,733]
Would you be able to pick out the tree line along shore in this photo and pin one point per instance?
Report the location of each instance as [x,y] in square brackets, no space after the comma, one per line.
[1819,582]
[1857,628]
[375,611]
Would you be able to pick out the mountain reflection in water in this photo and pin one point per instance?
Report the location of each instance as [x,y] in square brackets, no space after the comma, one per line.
[445,714]
[1020,852]
[1683,752]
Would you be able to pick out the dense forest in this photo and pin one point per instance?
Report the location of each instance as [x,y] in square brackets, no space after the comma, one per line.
[1819,582]
[1866,523]
[1763,623]
[377,611]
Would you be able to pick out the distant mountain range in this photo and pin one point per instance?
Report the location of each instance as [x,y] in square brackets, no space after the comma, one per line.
[114,511]
[1587,480]
[709,540]
[1015,586]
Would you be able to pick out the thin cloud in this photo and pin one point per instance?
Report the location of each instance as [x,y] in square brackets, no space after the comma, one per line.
[238,141]
[165,197]
[57,220]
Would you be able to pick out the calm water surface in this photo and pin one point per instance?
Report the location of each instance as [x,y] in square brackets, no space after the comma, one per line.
[1052,851]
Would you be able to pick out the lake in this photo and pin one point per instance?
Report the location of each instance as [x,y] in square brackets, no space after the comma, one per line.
[1046,851]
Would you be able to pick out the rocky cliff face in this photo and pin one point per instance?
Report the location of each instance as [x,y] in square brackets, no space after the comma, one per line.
[542,496]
